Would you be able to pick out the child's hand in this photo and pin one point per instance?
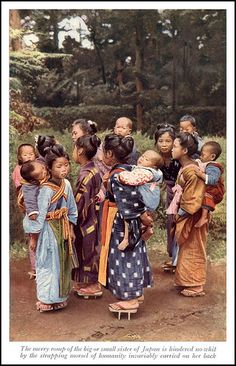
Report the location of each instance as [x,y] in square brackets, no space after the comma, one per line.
[33,246]
[105,178]
[146,219]
[199,173]
[72,234]
[33,217]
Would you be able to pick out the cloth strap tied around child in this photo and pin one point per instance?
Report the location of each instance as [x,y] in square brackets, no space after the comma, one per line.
[62,214]
[174,205]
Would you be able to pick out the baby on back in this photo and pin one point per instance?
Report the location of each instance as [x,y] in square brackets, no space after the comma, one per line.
[147,176]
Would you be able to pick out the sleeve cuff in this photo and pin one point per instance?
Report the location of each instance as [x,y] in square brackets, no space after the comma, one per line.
[206,180]
[33,213]
[183,213]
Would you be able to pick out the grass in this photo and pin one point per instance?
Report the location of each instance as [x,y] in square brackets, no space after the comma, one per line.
[216,246]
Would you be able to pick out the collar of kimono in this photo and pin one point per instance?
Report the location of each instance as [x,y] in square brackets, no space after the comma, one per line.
[60,191]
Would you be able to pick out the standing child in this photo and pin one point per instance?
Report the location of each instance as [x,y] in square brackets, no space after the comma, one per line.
[164,139]
[86,244]
[146,176]
[126,273]
[123,127]
[187,123]
[190,274]
[26,152]
[82,127]
[57,215]
[212,176]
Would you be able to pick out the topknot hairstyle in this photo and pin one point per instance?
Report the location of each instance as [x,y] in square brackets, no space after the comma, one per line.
[163,128]
[43,142]
[89,144]
[189,141]
[54,152]
[119,145]
[87,126]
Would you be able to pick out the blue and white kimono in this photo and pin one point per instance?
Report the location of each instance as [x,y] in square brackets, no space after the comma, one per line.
[57,207]
[128,271]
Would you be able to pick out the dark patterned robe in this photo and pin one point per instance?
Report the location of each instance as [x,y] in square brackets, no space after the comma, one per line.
[86,245]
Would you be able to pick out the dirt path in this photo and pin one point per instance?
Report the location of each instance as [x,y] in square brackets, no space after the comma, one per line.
[165,315]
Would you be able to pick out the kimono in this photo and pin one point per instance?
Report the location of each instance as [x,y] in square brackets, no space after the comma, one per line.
[86,245]
[57,208]
[125,273]
[191,264]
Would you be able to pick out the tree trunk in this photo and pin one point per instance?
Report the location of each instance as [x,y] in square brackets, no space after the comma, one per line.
[120,71]
[14,20]
[139,53]
[174,79]
[101,63]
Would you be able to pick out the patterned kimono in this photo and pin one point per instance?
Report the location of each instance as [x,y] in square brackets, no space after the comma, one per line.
[87,240]
[57,208]
[191,264]
[125,273]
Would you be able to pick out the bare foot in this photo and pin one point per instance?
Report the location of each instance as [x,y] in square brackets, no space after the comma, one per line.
[123,244]
[91,288]
[202,221]
[125,305]
[79,285]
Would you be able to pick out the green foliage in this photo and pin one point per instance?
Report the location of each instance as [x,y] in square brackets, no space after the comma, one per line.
[104,115]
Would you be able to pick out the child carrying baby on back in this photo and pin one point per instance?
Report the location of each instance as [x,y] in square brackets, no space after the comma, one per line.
[147,176]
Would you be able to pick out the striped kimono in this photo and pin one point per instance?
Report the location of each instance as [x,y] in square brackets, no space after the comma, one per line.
[87,239]
[57,208]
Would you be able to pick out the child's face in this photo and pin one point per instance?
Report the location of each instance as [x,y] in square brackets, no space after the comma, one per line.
[76,132]
[122,128]
[164,143]
[60,168]
[186,126]
[178,151]
[77,154]
[39,172]
[207,154]
[27,154]
[146,160]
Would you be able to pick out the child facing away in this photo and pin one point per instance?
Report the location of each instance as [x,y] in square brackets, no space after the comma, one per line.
[147,176]
[85,274]
[187,123]
[54,224]
[211,172]
[123,127]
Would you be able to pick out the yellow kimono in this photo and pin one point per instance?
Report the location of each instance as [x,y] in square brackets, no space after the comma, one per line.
[191,265]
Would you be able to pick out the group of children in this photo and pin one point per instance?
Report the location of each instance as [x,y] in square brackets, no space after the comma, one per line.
[96,235]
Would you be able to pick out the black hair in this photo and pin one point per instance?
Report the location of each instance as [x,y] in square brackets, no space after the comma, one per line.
[163,128]
[88,127]
[189,141]
[188,117]
[20,162]
[54,152]
[216,148]
[44,142]
[119,145]
[25,171]
[89,144]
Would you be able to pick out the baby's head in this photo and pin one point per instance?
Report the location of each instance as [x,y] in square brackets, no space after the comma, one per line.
[210,151]
[33,172]
[123,126]
[187,123]
[26,152]
[150,159]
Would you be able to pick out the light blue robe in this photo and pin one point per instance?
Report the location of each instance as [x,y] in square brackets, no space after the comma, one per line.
[47,256]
